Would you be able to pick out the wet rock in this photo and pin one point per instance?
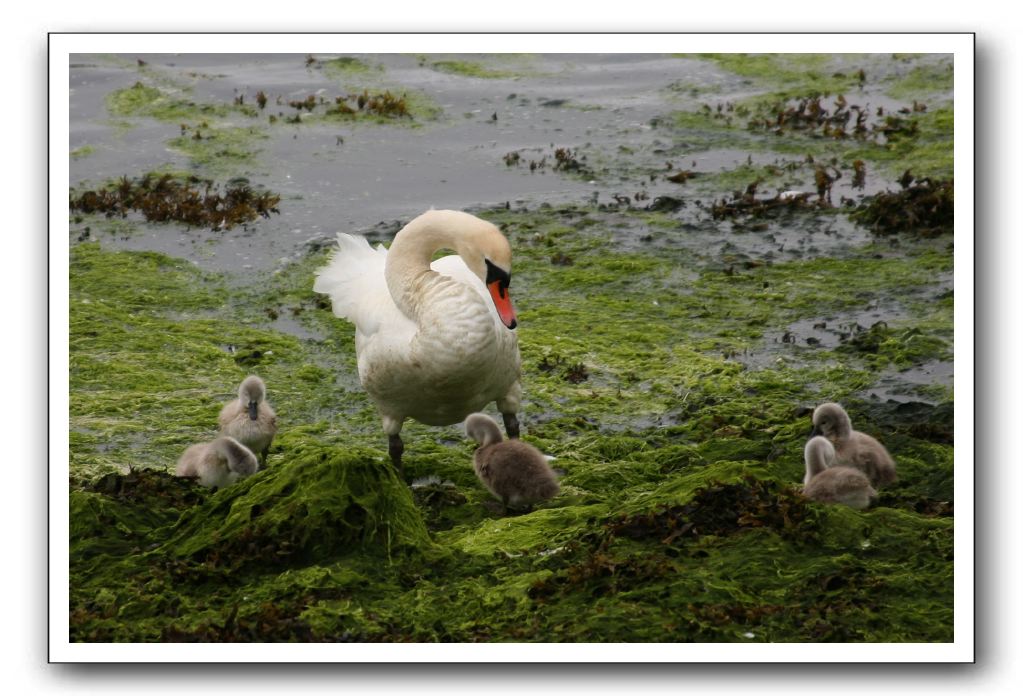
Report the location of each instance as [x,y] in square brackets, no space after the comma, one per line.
[935,423]
[666,204]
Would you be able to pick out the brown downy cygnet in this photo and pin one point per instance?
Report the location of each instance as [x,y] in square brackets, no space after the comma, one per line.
[249,418]
[217,464]
[515,472]
[827,482]
[853,448]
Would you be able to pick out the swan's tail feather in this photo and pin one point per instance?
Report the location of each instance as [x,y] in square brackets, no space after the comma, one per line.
[355,272]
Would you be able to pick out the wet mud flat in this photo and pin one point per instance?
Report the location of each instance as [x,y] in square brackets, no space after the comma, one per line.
[690,282]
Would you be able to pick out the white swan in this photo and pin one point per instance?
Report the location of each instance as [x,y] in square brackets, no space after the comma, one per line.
[434,341]
[217,464]
[250,418]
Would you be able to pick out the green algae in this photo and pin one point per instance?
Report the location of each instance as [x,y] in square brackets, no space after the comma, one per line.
[142,100]
[82,152]
[389,106]
[419,107]
[345,66]
[920,140]
[679,518]
[256,533]
[922,144]
[467,68]
[210,136]
[923,80]
[139,373]
[322,502]
[221,149]
[795,73]
[502,66]
[928,154]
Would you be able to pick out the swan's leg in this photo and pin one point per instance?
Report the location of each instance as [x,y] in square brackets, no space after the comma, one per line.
[263,454]
[511,425]
[508,405]
[395,447]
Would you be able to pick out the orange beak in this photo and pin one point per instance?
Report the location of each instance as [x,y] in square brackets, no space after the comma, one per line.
[502,301]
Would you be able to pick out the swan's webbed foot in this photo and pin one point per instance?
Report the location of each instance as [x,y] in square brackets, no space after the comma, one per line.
[511,425]
[395,447]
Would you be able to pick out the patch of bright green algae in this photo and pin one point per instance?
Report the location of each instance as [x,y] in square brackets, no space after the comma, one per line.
[221,149]
[163,104]
[679,518]
[928,154]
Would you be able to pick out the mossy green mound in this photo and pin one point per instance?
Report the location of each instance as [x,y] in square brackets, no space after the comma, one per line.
[151,547]
[321,502]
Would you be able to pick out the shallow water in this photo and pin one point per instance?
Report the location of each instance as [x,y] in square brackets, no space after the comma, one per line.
[604,106]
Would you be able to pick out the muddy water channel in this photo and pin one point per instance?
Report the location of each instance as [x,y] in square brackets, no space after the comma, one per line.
[705,247]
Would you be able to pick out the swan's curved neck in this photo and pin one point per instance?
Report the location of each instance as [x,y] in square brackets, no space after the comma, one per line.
[407,269]
[818,454]
[486,432]
[814,463]
[230,449]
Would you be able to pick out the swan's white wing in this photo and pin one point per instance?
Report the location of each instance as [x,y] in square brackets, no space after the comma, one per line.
[455,267]
[354,280]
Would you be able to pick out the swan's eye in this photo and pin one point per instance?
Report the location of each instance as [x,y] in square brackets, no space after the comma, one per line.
[501,276]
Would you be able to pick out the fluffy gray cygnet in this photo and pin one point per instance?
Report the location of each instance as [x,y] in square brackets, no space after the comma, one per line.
[515,472]
[217,464]
[828,482]
[853,448]
[249,419]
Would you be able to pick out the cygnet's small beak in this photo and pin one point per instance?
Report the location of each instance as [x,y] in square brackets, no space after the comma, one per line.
[253,409]
[815,432]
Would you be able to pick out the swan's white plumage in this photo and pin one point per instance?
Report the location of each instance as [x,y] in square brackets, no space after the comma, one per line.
[353,279]
[448,354]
